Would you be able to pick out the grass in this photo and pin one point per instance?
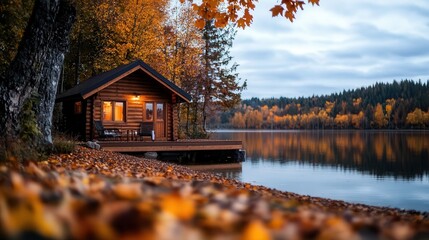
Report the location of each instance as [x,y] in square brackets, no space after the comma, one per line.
[19,151]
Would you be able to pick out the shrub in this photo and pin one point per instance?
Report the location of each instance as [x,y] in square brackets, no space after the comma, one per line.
[16,151]
[63,144]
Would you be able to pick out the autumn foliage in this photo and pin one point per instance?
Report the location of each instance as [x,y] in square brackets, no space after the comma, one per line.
[240,11]
[103,195]
[402,104]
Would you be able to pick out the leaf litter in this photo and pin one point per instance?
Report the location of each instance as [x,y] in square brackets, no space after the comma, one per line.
[105,195]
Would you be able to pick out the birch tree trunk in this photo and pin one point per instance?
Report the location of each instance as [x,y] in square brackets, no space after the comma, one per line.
[36,68]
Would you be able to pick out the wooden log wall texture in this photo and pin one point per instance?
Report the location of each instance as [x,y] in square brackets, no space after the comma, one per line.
[134,90]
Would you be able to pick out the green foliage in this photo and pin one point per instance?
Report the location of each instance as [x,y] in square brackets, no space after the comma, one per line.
[14,15]
[29,128]
[382,105]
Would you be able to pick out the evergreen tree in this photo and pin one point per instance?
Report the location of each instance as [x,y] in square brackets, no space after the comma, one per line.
[220,82]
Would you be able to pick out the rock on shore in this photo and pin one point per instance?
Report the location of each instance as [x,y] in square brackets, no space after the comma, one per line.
[99,194]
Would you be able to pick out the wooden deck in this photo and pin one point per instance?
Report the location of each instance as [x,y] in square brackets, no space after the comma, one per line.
[170,146]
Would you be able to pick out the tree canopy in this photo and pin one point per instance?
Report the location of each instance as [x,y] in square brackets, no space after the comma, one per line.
[396,105]
[240,11]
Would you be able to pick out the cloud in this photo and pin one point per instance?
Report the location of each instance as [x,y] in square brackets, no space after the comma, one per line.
[339,45]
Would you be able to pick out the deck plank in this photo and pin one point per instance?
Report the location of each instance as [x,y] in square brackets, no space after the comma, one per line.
[170,146]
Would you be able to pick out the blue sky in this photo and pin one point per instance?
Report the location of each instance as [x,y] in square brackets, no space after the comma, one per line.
[337,45]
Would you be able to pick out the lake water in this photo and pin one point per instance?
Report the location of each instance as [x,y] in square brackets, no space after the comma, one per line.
[383,168]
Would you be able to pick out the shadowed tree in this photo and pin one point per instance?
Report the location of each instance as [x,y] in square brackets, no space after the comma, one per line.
[35,70]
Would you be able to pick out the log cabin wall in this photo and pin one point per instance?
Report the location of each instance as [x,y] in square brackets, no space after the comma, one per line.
[74,118]
[175,117]
[89,132]
[134,91]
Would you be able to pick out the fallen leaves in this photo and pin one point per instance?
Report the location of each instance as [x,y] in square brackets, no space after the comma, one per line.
[97,194]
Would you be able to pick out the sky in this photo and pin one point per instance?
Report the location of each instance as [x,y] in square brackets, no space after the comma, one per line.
[341,44]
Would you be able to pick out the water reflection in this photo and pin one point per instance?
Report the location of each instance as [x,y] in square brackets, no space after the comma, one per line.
[380,153]
[231,170]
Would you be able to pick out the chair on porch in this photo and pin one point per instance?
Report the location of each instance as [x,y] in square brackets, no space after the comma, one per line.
[146,129]
[105,133]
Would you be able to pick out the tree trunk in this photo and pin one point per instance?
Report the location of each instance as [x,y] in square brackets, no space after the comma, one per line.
[36,67]
[51,72]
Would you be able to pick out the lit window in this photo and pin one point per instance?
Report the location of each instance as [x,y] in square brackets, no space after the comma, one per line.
[113,111]
[78,107]
[149,111]
[119,111]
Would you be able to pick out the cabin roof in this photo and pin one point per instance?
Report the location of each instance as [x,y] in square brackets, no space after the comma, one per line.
[103,80]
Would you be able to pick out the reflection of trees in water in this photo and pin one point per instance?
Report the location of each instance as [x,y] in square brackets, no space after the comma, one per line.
[380,153]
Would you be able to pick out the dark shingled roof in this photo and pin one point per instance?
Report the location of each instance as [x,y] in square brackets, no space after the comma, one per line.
[78,92]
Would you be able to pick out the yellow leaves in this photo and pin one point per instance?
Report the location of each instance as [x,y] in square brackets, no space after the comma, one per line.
[337,228]
[21,209]
[178,206]
[93,206]
[28,214]
[130,191]
[256,230]
[277,221]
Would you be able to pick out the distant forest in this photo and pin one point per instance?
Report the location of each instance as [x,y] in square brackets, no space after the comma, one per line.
[396,105]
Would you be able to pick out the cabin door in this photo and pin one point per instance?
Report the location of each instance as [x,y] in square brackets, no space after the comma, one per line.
[156,112]
[160,121]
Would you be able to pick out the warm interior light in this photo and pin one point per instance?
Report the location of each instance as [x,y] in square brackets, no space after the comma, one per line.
[136,96]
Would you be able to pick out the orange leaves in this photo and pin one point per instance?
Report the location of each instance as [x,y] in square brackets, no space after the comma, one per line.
[178,206]
[127,191]
[314,2]
[221,20]
[292,7]
[256,231]
[75,204]
[276,10]
[211,9]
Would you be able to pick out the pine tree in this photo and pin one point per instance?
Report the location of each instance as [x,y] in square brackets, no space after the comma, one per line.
[221,87]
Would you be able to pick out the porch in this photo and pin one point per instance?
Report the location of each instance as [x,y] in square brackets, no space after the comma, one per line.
[198,151]
[168,146]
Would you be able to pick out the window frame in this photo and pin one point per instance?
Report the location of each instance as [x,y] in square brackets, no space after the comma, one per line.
[113,104]
[163,112]
[77,107]
[155,117]
[145,119]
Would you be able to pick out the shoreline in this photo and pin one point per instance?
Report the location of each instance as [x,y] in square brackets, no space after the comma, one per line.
[204,205]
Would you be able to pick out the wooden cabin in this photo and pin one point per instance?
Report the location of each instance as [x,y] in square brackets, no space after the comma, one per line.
[123,98]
